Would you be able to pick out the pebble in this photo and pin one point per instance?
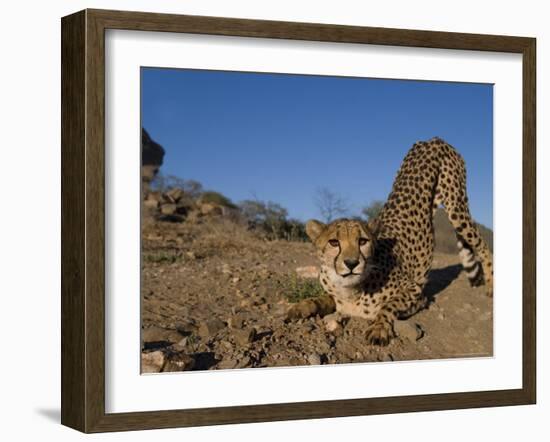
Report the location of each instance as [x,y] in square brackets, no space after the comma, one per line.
[244,362]
[244,337]
[226,364]
[179,361]
[314,359]
[408,330]
[332,325]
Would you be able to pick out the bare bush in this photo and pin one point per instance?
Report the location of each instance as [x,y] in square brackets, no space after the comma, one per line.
[330,204]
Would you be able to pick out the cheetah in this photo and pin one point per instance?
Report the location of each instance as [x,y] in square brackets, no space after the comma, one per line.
[377,270]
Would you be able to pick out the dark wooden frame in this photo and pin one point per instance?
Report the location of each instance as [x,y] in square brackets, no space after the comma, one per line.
[83,217]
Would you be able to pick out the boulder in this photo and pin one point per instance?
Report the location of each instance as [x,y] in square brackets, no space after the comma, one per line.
[152,155]
[175,194]
[178,361]
[210,327]
[150,204]
[152,362]
[168,209]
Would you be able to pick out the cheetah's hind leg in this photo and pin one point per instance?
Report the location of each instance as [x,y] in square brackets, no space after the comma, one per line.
[473,249]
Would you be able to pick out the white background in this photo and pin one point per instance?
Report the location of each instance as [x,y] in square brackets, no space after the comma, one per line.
[30,232]
[128,391]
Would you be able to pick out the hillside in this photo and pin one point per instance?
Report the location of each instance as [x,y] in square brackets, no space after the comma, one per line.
[215,293]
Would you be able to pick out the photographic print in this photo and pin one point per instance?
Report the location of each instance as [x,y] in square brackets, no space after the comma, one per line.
[294,220]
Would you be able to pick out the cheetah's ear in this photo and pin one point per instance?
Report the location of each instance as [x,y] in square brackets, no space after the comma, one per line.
[314,229]
[373,226]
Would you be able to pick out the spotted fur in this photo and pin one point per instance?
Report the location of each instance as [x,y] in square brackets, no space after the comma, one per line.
[378,270]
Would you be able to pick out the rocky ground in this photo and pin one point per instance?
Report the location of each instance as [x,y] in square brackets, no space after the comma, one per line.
[214,296]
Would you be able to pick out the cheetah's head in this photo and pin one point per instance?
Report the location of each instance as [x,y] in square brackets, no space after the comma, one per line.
[345,248]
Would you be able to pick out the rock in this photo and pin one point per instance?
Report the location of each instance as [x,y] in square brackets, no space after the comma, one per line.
[245,303]
[186,326]
[153,237]
[154,196]
[235,280]
[314,359]
[227,346]
[175,194]
[210,209]
[332,324]
[307,272]
[229,363]
[150,204]
[211,327]
[194,217]
[152,155]
[178,361]
[244,362]
[168,209]
[264,274]
[408,330]
[152,362]
[226,269]
[385,357]
[155,337]
[236,321]
[244,337]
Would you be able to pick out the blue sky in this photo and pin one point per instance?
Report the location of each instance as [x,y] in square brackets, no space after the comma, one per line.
[281,137]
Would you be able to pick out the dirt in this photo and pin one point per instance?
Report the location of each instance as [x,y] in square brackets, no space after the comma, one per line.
[214,295]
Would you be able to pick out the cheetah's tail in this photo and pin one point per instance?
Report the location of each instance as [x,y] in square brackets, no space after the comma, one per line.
[471,265]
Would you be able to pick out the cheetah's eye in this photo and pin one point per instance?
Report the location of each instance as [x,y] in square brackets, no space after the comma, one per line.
[363,241]
[334,242]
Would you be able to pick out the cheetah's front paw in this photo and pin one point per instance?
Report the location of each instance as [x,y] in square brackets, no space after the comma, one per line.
[301,310]
[380,333]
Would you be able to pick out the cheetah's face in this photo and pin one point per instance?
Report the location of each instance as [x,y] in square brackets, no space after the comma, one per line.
[345,248]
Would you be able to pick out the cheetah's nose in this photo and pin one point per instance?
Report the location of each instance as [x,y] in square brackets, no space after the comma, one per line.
[351,263]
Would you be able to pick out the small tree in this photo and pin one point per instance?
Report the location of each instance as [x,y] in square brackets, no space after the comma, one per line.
[373,209]
[210,196]
[163,184]
[269,216]
[330,204]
